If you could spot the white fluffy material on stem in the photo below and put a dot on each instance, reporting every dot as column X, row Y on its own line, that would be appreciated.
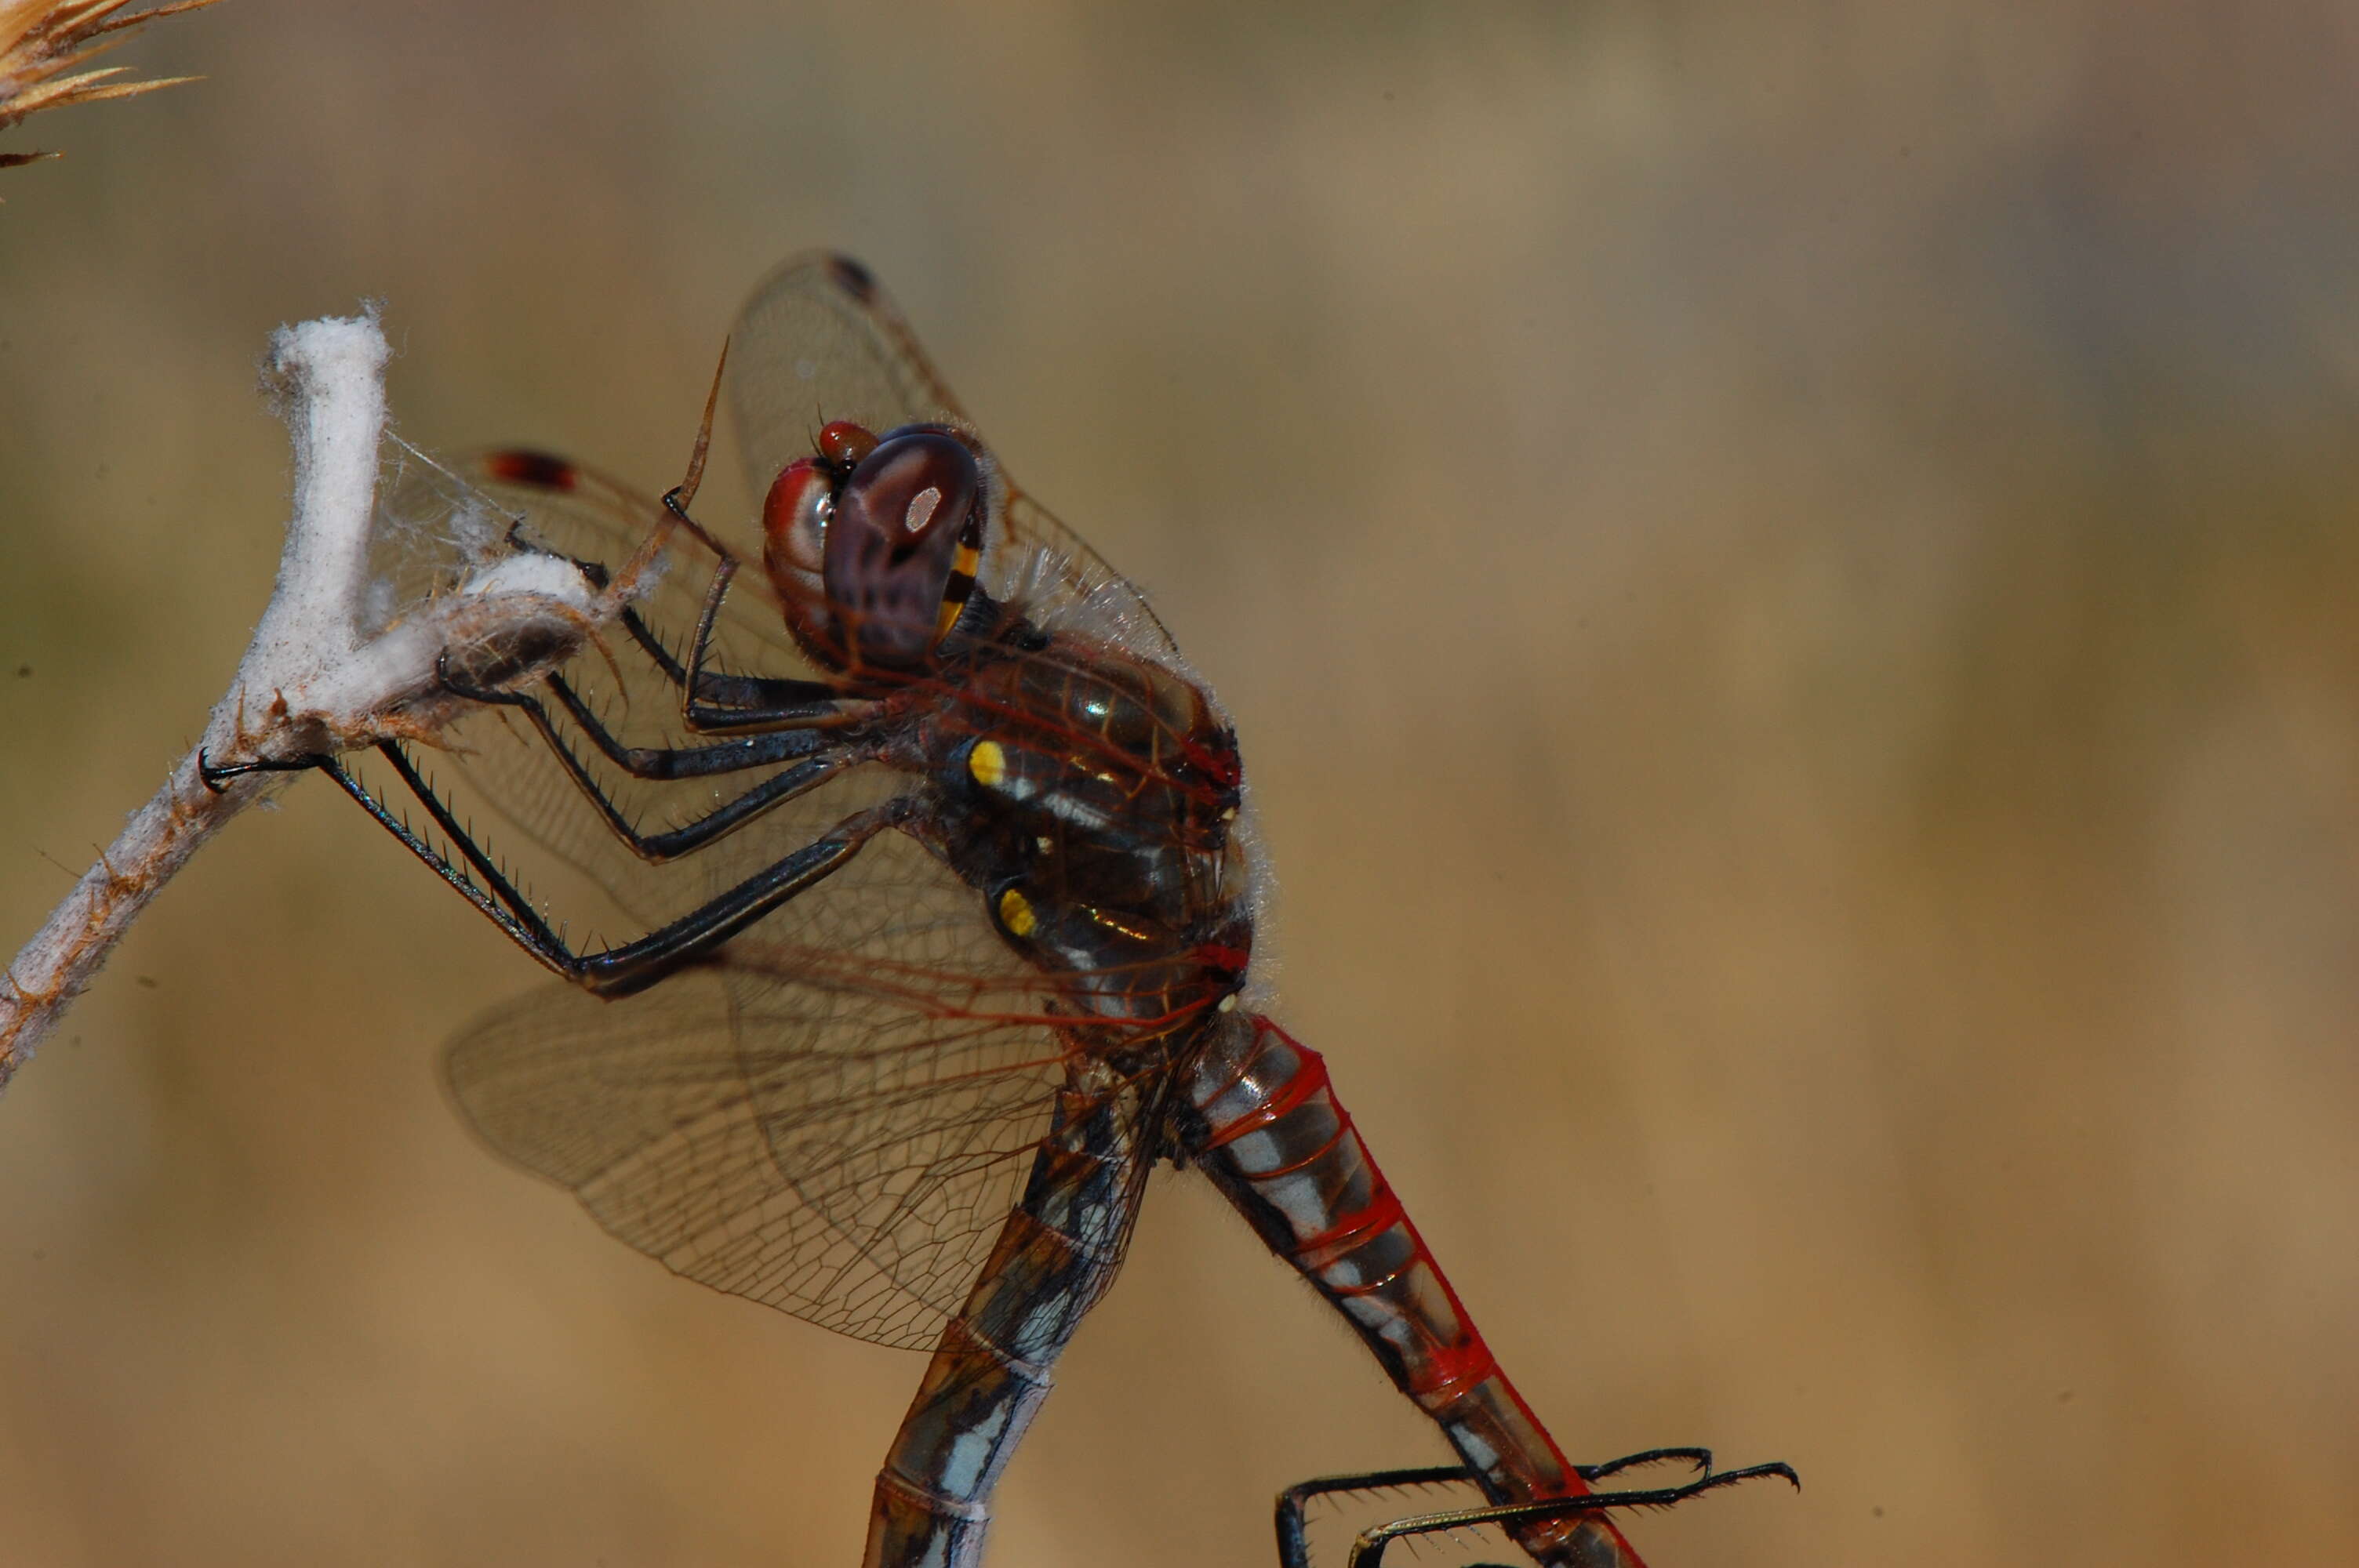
column 310, row 682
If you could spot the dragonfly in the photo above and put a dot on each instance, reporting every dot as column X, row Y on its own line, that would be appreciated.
column 937, row 868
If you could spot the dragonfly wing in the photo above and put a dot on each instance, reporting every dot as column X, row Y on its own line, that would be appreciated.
column 1064, row 586
column 812, row 1145
column 820, row 341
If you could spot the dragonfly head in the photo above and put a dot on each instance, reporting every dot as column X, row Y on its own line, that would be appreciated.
column 873, row 543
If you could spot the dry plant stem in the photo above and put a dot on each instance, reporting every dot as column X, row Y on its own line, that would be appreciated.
column 43, row 43
column 310, row 682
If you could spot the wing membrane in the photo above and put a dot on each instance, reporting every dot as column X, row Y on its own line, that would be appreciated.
column 775, row 1133
column 820, row 341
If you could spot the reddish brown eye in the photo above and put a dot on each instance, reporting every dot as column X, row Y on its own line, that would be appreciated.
column 893, row 543
column 794, row 544
column 844, row 443
column 793, row 519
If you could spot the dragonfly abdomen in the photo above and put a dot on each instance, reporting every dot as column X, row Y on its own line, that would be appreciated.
column 991, row 1370
column 1279, row 1145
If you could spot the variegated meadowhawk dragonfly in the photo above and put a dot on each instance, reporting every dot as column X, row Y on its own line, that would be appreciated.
column 945, row 896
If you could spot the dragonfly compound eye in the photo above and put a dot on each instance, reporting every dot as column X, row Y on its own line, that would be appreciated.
column 899, row 553
column 794, row 523
column 794, row 540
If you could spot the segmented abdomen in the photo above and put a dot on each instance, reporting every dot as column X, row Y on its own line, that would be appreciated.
column 1280, row 1147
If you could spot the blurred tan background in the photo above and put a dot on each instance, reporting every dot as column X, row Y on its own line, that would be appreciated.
column 1788, row 575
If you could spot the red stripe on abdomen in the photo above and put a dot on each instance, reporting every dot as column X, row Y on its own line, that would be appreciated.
column 1282, row 1148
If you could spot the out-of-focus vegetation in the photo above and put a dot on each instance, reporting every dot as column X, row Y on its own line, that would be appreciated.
column 1786, row 573
column 46, row 50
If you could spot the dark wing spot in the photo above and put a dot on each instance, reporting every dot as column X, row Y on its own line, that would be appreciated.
column 852, row 277
column 537, row 469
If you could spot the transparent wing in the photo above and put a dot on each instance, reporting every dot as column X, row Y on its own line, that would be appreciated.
column 626, row 688
column 839, row 1143
column 820, row 341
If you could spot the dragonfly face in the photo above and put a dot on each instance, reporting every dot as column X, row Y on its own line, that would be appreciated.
column 872, row 543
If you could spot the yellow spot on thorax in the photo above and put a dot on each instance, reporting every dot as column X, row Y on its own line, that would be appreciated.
column 1015, row 913
column 988, row 763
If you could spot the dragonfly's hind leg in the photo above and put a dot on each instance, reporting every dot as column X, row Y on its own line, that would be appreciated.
column 1367, row 1551
column 612, row 971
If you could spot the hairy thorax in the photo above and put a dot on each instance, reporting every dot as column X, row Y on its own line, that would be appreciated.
column 1090, row 796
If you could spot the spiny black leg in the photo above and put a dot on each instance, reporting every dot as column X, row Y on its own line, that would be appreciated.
column 511, row 912
column 816, row 757
column 1291, row 1512
column 711, row 702
column 1699, row 1458
column 1369, row 1550
column 718, row 704
column 616, row 971
column 214, row 777
column 637, row 760
column 1293, row 1543
column 692, row 761
column 634, row 966
column 786, row 785
column 663, row 763
column 1293, row 1549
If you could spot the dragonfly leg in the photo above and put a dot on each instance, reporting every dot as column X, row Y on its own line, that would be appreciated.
column 1293, row 1549
column 722, row 703
column 814, row 755
column 1293, row 1540
column 711, row 702
column 1368, row 1550
column 214, row 777
column 719, row 704
column 635, row 964
column 639, row 762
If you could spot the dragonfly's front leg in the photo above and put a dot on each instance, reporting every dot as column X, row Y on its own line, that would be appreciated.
column 991, row 1370
column 710, row 701
column 1276, row 1142
column 717, row 704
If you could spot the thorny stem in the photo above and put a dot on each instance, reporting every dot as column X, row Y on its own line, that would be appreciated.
column 310, row 682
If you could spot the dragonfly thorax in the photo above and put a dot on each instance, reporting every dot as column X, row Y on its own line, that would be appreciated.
column 1094, row 795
